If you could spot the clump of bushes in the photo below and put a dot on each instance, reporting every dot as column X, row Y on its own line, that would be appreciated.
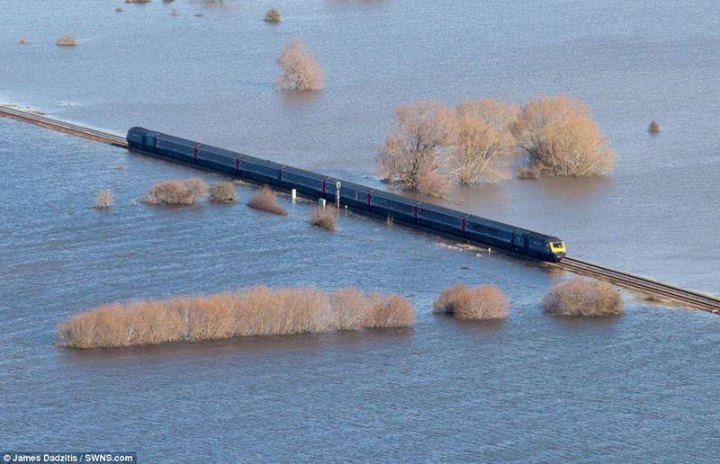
column 24, row 41
column 562, row 139
column 324, row 217
column 272, row 15
column 266, row 200
column 103, row 199
column 176, row 192
column 477, row 141
column 223, row 192
column 654, row 127
column 253, row 311
column 301, row 71
column 583, row 297
column 481, row 303
column 66, row 41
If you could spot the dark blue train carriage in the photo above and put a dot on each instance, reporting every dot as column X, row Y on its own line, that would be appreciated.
column 359, row 197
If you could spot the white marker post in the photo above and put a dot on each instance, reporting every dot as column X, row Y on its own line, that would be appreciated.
column 337, row 194
column 322, row 202
column 293, row 195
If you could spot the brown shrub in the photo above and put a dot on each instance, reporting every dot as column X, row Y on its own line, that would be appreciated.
column 325, row 218
column 138, row 1
column 350, row 309
column 223, row 192
column 481, row 145
column 24, row 41
column 654, row 127
column 103, row 199
column 301, row 71
column 253, row 311
column 66, row 41
column 390, row 311
column 410, row 155
column 484, row 302
column 582, row 297
column 530, row 173
column 272, row 15
column 176, row 192
column 561, row 138
column 266, row 200
column 119, row 9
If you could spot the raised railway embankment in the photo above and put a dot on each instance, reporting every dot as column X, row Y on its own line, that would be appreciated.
column 61, row 126
column 656, row 289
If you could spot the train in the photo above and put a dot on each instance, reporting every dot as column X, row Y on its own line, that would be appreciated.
column 357, row 197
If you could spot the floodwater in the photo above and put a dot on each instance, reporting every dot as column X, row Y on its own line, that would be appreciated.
column 533, row 389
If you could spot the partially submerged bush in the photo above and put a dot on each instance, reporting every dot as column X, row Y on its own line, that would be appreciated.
column 324, row 217
column 410, row 156
column 24, row 41
column 390, row 311
column 66, row 41
column 138, row 1
column 654, row 127
column 481, row 144
column 103, row 199
column 272, row 15
column 266, row 200
column 583, row 297
column 253, row 311
column 561, row 138
column 301, row 71
column 223, row 192
column 176, row 192
column 119, row 9
column 485, row 302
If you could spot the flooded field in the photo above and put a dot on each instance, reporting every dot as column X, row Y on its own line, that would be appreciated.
column 532, row 389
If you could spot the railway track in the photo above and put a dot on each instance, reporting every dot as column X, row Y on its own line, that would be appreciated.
column 622, row 279
column 65, row 127
column 645, row 285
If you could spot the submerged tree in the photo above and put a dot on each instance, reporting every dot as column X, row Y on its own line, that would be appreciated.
column 654, row 127
column 301, row 71
column 562, row 139
column 481, row 144
column 410, row 155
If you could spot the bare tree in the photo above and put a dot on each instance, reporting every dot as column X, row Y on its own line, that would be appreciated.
column 301, row 71
column 562, row 139
column 481, row 144
column 410, row 155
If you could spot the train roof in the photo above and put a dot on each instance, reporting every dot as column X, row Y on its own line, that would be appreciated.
column 356, row 187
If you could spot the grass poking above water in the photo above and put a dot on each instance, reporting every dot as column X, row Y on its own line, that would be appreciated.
column 177, row 192
column 266, row 200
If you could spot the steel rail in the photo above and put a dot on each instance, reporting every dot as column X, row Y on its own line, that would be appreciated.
column 65, row 127
column 643, row 284
column 622, row 279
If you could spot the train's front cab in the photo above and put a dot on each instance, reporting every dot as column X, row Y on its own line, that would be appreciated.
column 557, row 248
